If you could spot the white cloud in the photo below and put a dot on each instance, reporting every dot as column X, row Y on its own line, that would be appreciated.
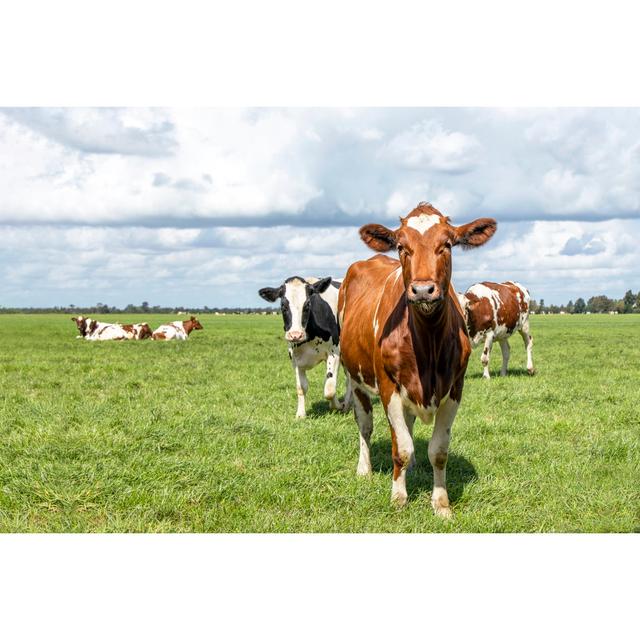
column 176, row 205
column 427, row 145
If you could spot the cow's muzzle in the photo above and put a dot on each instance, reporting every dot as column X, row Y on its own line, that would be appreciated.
column 425, row 294
column 295, row 336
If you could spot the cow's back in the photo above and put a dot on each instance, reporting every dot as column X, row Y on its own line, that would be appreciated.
column 502, row 308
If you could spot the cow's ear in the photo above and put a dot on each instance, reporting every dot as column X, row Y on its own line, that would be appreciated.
column 73, row 319
column 321, row 285
column 475, row 233
column 270, row 294
column 378, row 237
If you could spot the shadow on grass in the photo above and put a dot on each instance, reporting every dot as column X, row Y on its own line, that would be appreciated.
column 511, row 373
column 420, row 479
column 321, row 408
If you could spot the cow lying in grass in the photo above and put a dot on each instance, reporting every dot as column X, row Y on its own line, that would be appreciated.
column 93, row 330
column 178, row 330
column 495, row 312
column 309, row 309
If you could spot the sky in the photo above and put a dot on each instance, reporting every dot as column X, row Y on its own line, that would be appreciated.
column 195, row 207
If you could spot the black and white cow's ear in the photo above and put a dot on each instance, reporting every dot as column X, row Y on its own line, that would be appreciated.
column 475, row 233
column 321, row 285
column 270, row 294
column 73, row 319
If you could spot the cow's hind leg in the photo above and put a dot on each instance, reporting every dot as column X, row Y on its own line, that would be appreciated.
column 438, row 454
column 347, row 400
column 486, row 354
column 331, row 379
column 401, row 448
column 504, row 347
column 364, row 417
column 302, row 384
column 528, row 345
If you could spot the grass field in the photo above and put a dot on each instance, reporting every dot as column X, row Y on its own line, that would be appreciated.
column 201, row 436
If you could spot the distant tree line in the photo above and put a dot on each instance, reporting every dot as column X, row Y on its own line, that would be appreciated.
column 145, row 307
column 629, row 303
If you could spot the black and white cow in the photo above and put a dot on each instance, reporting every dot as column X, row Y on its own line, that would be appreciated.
column 309, row 312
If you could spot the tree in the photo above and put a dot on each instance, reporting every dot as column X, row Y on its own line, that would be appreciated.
column 580, row 306
column 570, row 307
column 600, row 304
column 145, row 306
column 533, row 306
column 628, row 302
column 541, row 308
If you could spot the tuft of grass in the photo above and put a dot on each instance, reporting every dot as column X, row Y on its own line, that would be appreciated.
column 201, row 436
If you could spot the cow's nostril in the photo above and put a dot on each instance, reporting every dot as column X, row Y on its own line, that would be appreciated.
column 414, row 289
column 431, row 288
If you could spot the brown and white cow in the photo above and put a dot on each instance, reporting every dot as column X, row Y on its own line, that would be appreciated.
column 179, row 330
column 139, row 331
column 494, row 312
column 403, row 337
column 94, row 330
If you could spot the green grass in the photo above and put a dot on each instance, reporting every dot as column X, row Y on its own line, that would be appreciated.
column 201, row 436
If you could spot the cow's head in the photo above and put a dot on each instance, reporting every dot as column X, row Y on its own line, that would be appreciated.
column 85, row 325
column 424, row 241
column 145, row 331
column 195, row 323
column 295, row 302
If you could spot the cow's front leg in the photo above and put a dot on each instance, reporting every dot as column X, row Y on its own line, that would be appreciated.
column 486, row 354
column 331, row 379
column 302, row 384
column 438, row 454
column 401, row 448
column 410, row 419
column 364, row 417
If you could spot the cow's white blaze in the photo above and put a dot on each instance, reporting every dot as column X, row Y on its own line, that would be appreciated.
column 423, row 222
column 296, row 294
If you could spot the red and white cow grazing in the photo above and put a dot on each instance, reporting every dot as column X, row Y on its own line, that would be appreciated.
column 139, row 331
column 309, row 313
column 94, row 330
column 494, row 312
column 179, row 330
column 403, row 337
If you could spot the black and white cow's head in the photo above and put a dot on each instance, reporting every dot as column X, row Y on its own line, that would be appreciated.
column 304, row 313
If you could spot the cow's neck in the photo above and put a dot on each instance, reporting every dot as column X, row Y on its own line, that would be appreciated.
column 432, row 324
column 187, row 325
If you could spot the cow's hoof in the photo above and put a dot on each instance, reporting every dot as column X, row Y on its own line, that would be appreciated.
column 443, row 512
column 531, row 371
column 363, row 471
column 399, row 500
column 301, row 416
